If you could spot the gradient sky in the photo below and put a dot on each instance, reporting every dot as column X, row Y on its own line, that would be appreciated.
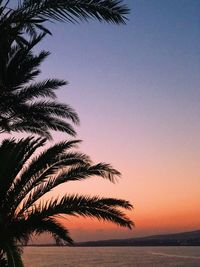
column 137, row 91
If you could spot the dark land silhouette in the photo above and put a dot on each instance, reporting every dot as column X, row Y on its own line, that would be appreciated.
column 177, row 239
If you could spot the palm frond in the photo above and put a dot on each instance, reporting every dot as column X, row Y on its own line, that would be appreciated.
column 33, row 127
column 77, row 173
column 20, row 111
column 75, row 205
column 23, row 230
column 23, row 68
column 112, row 11
column 45, row 159
column 29, row 17
column 13, row 155
column 53, row 109
column 25, row 149
column 53, row 227
column 31, row 174
column 40, row 89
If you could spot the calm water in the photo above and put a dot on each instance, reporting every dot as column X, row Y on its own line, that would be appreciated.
column 112, row 257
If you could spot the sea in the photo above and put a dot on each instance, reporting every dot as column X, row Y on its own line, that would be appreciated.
column 112, row 256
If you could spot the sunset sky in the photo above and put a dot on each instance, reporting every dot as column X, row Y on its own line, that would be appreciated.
column 136, row 89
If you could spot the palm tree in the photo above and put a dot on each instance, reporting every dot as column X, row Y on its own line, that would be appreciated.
column 20, row 109
column 26, row 177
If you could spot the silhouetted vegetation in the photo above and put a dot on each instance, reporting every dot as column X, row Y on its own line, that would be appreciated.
column 30, row 106
column 25, row 179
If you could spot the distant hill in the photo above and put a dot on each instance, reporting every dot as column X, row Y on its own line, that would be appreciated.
column 178, row 239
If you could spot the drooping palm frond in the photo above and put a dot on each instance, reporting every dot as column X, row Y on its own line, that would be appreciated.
column 75, row 205
column 112, row 11
column 31, row 15
column 40, row 89
column 43, row 216
column 56, row 229
column 103, row 209
column 79, row 173
column 28, row 19
column 20, row 111
column 25, row 229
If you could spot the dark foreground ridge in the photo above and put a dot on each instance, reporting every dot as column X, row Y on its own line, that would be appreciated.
column 178, row 239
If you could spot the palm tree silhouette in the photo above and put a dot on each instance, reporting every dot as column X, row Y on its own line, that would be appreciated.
column 26, row 177
column 27, row 106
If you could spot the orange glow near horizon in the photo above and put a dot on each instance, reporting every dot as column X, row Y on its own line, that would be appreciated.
column 161, row 182
column 164, row 199
column 82, row 229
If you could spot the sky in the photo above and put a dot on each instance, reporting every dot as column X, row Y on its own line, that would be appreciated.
column 136, row 89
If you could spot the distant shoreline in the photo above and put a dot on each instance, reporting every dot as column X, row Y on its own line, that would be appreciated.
column 178, row 239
